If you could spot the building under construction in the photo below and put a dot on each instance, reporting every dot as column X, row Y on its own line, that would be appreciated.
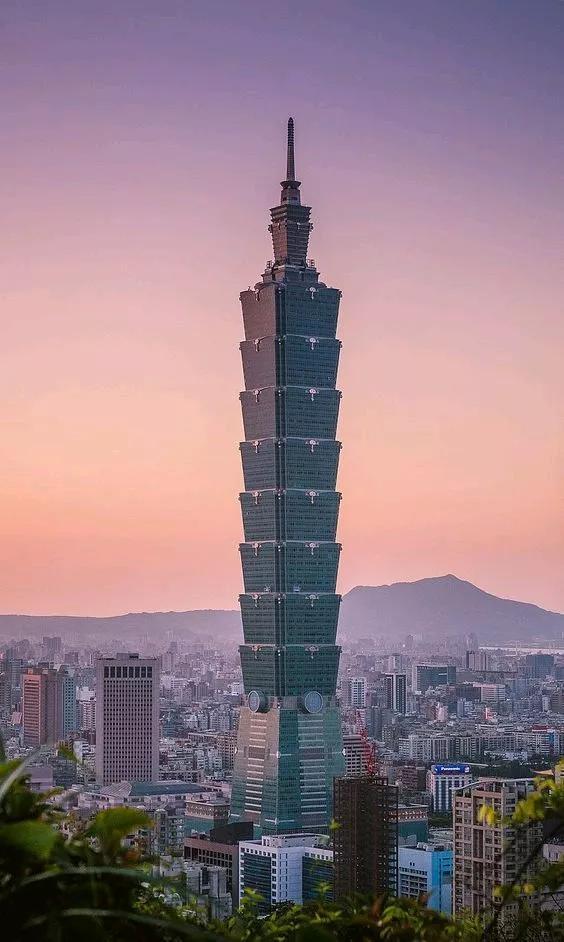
column 365, row 839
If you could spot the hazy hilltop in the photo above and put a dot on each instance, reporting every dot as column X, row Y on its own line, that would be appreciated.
column 209, row 624
column 440, row 607
column 435, row 608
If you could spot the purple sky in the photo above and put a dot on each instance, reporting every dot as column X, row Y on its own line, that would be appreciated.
column 141, row 147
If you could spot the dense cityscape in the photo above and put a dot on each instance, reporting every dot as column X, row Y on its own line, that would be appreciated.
column 388, row 743
column 434, row 725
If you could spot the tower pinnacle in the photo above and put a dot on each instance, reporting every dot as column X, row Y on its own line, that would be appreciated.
column 290, row 186
column 290, row 167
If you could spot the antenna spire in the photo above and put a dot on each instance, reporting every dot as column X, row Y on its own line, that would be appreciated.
column 290, row 225
column 290, row 186
column 290, row 166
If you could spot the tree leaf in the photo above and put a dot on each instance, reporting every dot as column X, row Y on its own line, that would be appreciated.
column 32, row 838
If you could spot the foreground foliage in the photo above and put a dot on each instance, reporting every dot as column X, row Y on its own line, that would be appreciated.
column 87, row 886
column 60, row 884
column 392, row 920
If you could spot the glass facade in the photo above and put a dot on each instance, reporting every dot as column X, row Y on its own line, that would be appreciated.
column 289, row 743
column 257, row 872
column 317, row 878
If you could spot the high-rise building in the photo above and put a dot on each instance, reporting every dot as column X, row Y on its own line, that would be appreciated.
column 127, row 718
column 492, row 692
column 411, row 777
column 42, row 706
column 51, row 647
column 355, row 692
column 478, row 660
column 432, row 675
column 355, row 753
column 443, row 781
column 375, row 718
column 204, row 812
column 365, row 840
column 87, row 711
column 5, row 695
column 12, row 668
column 488, row 855
column 70, row 703
column 539, row 665
column 396, row 692
column 395, row 663
column 289, row 739
column 207, row 890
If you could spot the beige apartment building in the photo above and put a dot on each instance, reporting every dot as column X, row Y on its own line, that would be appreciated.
column 42, row 706
column 487, row 855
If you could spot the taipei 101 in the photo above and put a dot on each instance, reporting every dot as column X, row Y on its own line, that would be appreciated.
column 282, row 626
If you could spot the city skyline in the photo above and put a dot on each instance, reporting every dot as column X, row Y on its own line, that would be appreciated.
column 135, row 177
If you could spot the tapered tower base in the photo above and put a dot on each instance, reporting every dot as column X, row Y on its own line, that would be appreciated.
column 284, row 768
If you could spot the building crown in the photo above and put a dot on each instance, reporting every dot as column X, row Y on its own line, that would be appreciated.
column 290, row 226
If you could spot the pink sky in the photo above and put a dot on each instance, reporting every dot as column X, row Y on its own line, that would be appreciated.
column 140, row 155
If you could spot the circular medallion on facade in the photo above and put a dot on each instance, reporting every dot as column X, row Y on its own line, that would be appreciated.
column 313, row 701
column 255, row 701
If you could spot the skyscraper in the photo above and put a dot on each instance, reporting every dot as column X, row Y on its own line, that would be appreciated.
column 289, row 743
column 355, row 692
column 396, row 692
column 365, row 840
column 355, row 753
column 127, row 719
column 425, row 676
column 12, row 668
column 477, row 660
column 42, row 706
column 70, row 703
column 539, row 665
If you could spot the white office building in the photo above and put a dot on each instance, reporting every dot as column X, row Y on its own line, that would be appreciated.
column 442, row 782
column 284, row 867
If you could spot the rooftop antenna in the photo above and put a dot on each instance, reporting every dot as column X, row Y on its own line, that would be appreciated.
column 290, row 167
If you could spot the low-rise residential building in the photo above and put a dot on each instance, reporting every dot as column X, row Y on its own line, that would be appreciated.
column 220, row 848
column 426, row 869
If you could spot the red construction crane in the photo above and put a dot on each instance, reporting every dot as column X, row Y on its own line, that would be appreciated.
column 368, row 747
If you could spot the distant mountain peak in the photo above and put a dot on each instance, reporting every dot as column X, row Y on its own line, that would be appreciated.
column 444, row 606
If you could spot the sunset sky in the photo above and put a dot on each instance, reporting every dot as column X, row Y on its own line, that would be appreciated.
column 142, row 144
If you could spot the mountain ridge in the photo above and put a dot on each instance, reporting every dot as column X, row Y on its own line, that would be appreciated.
column 435, row 607
column 443, row 606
